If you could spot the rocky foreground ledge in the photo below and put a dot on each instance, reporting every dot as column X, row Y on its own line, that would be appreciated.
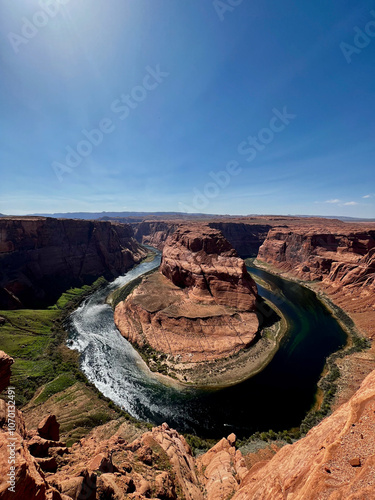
column 199, row 307
column 335, row 460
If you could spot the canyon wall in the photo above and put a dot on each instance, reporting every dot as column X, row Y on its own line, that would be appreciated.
column 335, row 460
column 42, row 257
column 154, row 233
column 339, row 256
column 317, row 254
column 246, row 238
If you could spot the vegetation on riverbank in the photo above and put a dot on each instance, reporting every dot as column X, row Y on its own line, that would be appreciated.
column 36, row 340
column 120, row 294
column 46, row 372
column 45, row 366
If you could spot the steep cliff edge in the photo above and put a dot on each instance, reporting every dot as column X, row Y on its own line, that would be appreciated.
column 41, row 257
column 341, row 258
column 113, row 462
column 245, row 237
column 203, row 261
column 199, row 307
column 335, row 460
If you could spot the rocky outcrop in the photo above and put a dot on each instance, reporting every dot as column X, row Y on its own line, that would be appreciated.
column 21, row 474
column 199, row 307
column 202, row 261
column 335, row 460
column 42, row 257
column 48, row 428
column 222, row 469
column 157, row 465
column 5, row 364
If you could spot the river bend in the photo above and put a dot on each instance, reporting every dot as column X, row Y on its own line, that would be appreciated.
column 277, row 398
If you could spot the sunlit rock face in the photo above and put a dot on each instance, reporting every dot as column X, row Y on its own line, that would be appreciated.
column 203, row 261
column 335, row 460
column 339, row 257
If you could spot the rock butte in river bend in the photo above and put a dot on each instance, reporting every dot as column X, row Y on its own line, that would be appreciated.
column 339, row 255
column 200, row 306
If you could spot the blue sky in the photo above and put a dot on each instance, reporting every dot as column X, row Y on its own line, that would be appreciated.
column 187, row 96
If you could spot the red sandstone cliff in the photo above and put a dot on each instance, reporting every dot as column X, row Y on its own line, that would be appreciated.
column 154, row 233
column 202, row 260
column 245, row 237
column 335, row 460
column 341, row 257
column 201, row 304
column 42, row 257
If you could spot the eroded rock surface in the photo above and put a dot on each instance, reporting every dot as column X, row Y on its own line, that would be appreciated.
column 5, row 372
column 335, row 460
column 340, row 257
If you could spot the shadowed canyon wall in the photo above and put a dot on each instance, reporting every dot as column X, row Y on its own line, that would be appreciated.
column 42, row 257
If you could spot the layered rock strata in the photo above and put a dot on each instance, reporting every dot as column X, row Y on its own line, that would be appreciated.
column 245, row 237
column 42, row 257
column 154, row 233
column 200, row 306
column 341, row 258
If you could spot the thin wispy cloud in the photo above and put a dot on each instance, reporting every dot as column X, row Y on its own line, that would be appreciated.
column 340, row 203
column 367, row 196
